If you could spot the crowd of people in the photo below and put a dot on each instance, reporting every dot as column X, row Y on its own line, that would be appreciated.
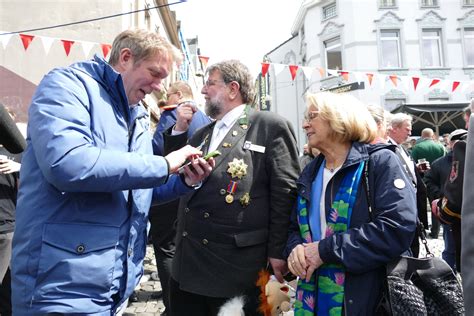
column 96, row 186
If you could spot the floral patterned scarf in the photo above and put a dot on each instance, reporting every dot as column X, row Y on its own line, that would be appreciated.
column 329, row 287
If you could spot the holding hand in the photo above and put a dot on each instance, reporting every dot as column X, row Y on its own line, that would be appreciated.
column 297, row 262
column 198, row 170
column 177, row 158
column 8, row 166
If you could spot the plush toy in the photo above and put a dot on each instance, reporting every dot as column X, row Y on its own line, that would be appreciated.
column 269, row 297
column 274, row 296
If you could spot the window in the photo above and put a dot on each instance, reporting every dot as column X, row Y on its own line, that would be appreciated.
column 468, row 2
column 429, row 3
column 387, row 3
column 390, row 49
column 333, row 53
column 469, row 46
column 432, row 52
column 329, row 11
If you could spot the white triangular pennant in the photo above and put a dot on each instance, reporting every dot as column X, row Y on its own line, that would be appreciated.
column 308, row 72
column 5, row 39
column 87, row 47
column 333, row 72
column 359, row 76
column 47, row 43
column 278, row 68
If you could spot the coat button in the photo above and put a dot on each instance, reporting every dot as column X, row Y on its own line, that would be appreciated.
column 186, row 209
column 351, row 301
column 130, row 252
column 205, row 241
column 80, row 249
column 184, row 234
column 206, row 215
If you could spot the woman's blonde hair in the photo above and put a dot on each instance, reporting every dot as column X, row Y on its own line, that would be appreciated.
column 348, row 118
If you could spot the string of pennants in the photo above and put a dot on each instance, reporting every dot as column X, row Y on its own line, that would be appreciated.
column 397, row 81
column 27, row 39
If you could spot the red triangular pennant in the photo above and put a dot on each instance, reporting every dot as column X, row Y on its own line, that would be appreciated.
column 344, row 75
column 26, row 39
column 265, row 67
column 204, row 60
column 415, row 82
column 455, row 85
column 106, row 49
column 434, row 81
column 370, row 77
column 67, row 46
column 321, row 71
column 293, row 70
column 394, row 79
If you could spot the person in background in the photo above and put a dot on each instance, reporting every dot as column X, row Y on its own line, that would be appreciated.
column 87, row 180
column 163, row 217
column 9, row 178
column 424, row 153
column 237, row 222
column 435, row 178
column 381, row 118
column 467, row 224
column 399, row 130
column 336, row 247
column 308, row 155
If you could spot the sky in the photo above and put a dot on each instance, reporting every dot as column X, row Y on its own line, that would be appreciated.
column 244, row 29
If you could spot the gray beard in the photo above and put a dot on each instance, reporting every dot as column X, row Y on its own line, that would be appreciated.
column 212, row 109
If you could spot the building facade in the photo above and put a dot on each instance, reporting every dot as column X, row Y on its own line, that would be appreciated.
column 386, row 44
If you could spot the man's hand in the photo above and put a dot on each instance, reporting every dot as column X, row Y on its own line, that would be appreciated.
column 313, row 259
column 198, row 170
column 8, row 166
column 279, row 268
column 184, row 115
column 177, row 158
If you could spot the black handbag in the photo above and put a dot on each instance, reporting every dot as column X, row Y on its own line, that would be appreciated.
column 425, row 286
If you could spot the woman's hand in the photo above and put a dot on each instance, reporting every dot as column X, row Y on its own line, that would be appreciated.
column 312, row 258
column 297, row 261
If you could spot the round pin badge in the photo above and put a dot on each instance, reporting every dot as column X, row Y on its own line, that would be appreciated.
column 399, row 183
column 229, row 198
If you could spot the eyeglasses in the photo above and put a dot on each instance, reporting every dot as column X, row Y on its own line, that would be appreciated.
column 171, row 93
column 309, row 116
column 209, row 82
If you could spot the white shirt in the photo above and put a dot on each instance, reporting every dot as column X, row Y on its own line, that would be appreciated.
column 223, row 126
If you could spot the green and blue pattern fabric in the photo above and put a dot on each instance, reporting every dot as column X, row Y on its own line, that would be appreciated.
column 328, row 290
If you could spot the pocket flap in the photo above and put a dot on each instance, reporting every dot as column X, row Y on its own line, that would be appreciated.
column 251, row 238
column 80, row 238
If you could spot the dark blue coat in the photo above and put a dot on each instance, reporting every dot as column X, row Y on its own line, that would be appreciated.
column 368, row 244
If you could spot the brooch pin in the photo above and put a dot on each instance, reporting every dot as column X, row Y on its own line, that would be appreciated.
column 226, row 145
column 234, row 133
column 245, row 200
column 237, row 168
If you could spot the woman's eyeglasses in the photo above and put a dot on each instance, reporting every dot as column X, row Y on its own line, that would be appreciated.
column 309, row 116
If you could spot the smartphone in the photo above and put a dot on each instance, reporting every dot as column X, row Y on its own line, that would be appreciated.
column 214, row 153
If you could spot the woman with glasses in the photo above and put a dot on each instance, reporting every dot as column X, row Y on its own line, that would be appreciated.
column 336, row 247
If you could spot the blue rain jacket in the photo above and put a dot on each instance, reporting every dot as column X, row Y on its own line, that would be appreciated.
column 85, row 192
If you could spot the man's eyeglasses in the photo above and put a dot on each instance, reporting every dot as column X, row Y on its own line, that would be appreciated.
column 309, row 116
column 209, row 82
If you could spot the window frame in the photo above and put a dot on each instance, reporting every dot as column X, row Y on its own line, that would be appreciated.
column 383, row 5
column 465, row 46
column 325, row 8
column 439, row 39
column 434, row 5
column 339, row 45
column 382, row 39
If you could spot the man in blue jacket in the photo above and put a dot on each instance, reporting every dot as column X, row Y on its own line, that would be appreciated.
column 87, row 181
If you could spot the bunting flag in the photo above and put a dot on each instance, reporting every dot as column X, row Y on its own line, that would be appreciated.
column 370, row 77
column 455, row 85
column 434, row 81
column 204, row 60
column 308, row 71
column 87, row 47
column 415, row 82
column 394, row 79
column 265, row 67
column 293, row 71
column 105, row 49
column 67, row 46
column 5, row 39
column 47, row 43
column 26, row 40
column 344, row 75
column 321, row 71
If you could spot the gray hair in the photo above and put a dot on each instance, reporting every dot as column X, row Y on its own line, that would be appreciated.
column 234, row 70
column 398, row 119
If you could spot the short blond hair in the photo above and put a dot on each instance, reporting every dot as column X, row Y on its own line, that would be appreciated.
column 348, row 118
column 143, row 44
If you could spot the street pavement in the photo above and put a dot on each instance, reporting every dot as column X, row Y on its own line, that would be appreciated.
column 148, row 305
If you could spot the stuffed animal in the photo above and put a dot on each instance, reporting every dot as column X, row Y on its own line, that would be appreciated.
column 269, row 297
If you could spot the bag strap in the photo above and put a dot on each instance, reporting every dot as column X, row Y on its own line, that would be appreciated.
column 419, row 225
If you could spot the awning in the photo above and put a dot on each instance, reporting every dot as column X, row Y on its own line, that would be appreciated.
column 442, row 117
